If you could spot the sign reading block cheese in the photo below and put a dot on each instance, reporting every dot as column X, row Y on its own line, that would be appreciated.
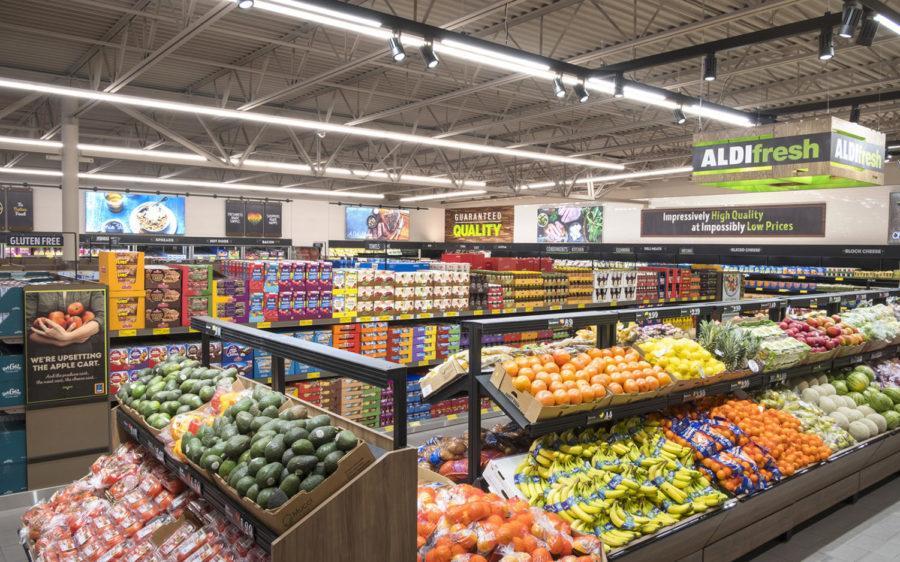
column 815, row 154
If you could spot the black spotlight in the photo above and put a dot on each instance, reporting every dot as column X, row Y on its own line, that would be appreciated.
column 580, row 92
column 826, row 43
column 710, row 65
column 619, row 86
column 678, row 115
column 559, row 89
column 429, row 56
column 854, row 114
column 850, row 17
column 396, row 47
column 867, row 29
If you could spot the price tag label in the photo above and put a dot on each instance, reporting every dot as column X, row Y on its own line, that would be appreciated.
column 425, row 315
column 694, row 395
column 648, row 315
column 131, row 429
column 777, row 378
column 263, row 325
column 451, row 313
column 598, row 417
column 127, row 333
column 733, row 308
column 876, row 355
column 311, row 376
column 235, row 517
column 190, row 480
column 451, row 417
column 882, row 295
column 216, row 331
column 509, row 310
column 740, row 385
column 856, row 359
column 690, row 311
column 834, row 300
column 305, row 323
column 157, row 451
column 477, row 313
column 529, row 309
column 754, row 366
column 559, row 323
column 555, row 307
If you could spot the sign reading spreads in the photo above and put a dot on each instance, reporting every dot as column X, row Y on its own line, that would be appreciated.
column 749, row 221
column 814, row 154
column 479, row 224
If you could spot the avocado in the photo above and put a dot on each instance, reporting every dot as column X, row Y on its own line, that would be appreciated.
column 242, row 485
column 188, row 399
column 303, row 447
column 252, row 492
column 261, row 435
column 258, row 422
column 295, row 434
column 284, row 474
column 270, row 411
column 226, row 467
column 254, row 465
column 210, row 461
column 321, row 435
column 310, row 482
column 138, row 390
column 262, row 499
column 245, row 456
column 277, row 499
column 242, row 420
column 207, row 435
column 290, row 485
column 275, row 448
column 271, row 399
column 206, row 393
column 269, row 474
column 170, row 407
column 228, row 431
column 240, row 471
column 186, row 386
column 218, row 449
column 320, row 469
column 346, row 440
column 331, row 461
column 302, row 464
column 236, row 445
column 190, row 446
column 184, row 408
column 318, row 421
column 258, row 449
column 293, row 413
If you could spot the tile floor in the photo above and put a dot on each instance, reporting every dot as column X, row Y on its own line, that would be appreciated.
column 867, row 531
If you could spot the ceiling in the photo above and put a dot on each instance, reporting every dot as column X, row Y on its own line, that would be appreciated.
column 212, row 53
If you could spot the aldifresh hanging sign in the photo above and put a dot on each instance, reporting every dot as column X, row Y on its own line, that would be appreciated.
column 813, row 154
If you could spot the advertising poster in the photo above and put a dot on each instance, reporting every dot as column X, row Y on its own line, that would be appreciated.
column 372, row 223
column 479, row 224
column 570, row 223
column 117, row 212
column 272, row 227
column 66, row 344
column 748, row 221
column 255, row 218
column 234, row 217
column 19, row 210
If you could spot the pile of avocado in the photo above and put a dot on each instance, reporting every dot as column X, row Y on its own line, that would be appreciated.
column 269, row 456
column 173, row 387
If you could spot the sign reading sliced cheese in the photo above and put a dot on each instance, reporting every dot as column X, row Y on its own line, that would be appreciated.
column 814, row 154
column 479, row 224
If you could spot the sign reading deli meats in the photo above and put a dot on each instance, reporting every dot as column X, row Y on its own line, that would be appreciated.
column 814, row 154
column 750, row 221
column 479, row 224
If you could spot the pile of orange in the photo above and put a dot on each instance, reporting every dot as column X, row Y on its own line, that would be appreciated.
column 561, row 378
column 776, row 431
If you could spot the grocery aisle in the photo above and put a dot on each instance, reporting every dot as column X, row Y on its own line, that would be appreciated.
column 867, row 531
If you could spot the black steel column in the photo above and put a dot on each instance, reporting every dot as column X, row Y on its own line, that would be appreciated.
column 400, row 417
column 204, row 349
column 474, row 403
column 278, row 374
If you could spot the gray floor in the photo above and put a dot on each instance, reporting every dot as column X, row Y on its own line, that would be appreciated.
column 867, row 531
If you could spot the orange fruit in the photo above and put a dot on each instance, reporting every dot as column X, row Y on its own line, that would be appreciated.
column 521, row 360
column 642, row 383
column 581, row 376
column 511, row 368
column 527, row 372
column 543, row 377
column 545, row 397
column 551, row 367
column 534, row 360
column 537, row 386
column 598, row 379
column 589, row 371
column 606, row 353
column 574, row 396
column 617, row 350
column 521, row 383
column 555, row 377
column 561, row 358
column 556, row 385
column 630, row 387
column 599, row 391
column 545, row 358
column 594, row 352
column 618, row 359
column 615, row 388
column 663, row 378
column 610, row 369
column 568, row 385
column 632, row 356
column 619, row 378
column 561, row 396
column 569, row 376
column 587, row 393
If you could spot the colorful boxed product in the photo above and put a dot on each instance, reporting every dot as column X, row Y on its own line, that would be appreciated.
column 122, row 271
column 198, row 305
column 126, row 310
column 196, row 279
column 12, row 380
column 157, row 354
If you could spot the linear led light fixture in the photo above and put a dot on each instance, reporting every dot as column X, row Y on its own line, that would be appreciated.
column 718, row 115
column 250, row 164
column 438, row 196
column 888, row 23
column 82, row 177
column 297, row 123
column 614, row 177
column 455, row 48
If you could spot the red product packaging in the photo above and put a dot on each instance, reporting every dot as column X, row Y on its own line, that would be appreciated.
column 270, row 307
column 285, row 306
column 150, row 486
column 118, row 359
column 151, row 526
column 139, row 552
column 205, row 552
column 190, row 544
column 168, row 547
column 298, row 305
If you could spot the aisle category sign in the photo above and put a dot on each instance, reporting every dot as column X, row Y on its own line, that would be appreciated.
column 479, row 224
column 745, row 221
column 817, row 153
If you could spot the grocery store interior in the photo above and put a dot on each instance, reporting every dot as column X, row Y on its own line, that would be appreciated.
column 449, row 281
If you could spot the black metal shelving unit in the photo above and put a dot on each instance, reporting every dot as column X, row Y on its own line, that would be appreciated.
column 329, row 360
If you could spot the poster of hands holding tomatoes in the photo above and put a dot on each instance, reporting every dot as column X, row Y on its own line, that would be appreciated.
column 65, row 346
column 570, row 223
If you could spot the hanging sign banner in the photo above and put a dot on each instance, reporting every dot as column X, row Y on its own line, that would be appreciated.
column 19, row 209
column 234, row 217
column 747, row 221
column 479, row 224
column 818, row 153
column 272, row 226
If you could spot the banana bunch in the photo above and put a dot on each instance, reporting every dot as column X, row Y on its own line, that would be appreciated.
column 619, row 484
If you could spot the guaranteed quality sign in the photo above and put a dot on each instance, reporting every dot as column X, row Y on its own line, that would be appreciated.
column 750, row 221
column 479, row 224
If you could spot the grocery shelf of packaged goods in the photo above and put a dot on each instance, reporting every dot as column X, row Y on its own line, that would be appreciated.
column 450, row 315
column 450, row 420
column 198, row 483
column 863, row 281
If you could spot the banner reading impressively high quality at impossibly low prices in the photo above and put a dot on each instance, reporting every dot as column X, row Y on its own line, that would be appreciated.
column 749, row 221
